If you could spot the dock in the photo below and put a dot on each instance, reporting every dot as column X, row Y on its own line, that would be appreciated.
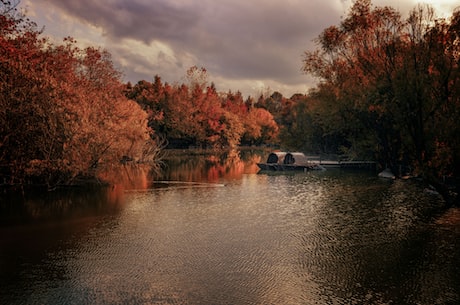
column 372, row 165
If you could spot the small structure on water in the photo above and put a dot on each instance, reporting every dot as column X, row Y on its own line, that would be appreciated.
column 284, row 161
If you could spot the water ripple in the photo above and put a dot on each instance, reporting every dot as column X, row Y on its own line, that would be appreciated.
column 322, row 238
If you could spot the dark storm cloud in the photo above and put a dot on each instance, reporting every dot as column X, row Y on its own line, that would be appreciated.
column 134, row 19
column 245, row 44
column 234, row 39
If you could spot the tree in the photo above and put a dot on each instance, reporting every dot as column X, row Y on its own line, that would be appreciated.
column 396, row 81
column 64, row 113
column 196, row 114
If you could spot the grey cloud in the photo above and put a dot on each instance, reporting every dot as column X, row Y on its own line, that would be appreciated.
column 233, row 39
column 133, row 19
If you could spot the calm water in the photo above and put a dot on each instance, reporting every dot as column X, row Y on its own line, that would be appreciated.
column 212, row 231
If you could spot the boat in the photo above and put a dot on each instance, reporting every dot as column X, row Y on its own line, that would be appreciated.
column 287, row 161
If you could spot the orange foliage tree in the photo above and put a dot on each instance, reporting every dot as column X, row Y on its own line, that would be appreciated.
column 63, row 109
column 195, row 114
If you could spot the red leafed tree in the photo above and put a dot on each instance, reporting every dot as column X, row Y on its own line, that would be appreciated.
column 63, row 109
column 195, row 114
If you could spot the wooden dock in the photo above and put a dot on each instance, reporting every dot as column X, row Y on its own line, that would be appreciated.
column 372, row 165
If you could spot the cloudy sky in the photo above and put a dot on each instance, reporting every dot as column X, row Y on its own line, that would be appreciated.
column 254, row 46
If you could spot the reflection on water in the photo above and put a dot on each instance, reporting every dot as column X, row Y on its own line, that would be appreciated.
column 206, row 168
column 211, row 168
column 217, row 233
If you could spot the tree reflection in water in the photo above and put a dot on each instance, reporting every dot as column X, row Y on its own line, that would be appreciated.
column 211, row 167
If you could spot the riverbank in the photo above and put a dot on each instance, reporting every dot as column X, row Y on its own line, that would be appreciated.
column 136, row 175
column 191, row 152
column 449, row 188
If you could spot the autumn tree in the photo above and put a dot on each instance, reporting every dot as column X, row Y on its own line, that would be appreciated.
column 265, row 129
column 196, row 114
column 63, row 110
column 394, row 81
column 385, row 71
column 153, row 98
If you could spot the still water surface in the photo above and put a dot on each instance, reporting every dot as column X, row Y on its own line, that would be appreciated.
column 220, row 233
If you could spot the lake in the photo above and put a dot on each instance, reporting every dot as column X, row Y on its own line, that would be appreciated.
column 212, row 230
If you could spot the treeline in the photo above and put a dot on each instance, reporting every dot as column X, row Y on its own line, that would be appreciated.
column 194, row 114
column 63, row 109
column 389, row 89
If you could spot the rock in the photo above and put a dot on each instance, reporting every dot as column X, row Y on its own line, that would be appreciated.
column 387, row 174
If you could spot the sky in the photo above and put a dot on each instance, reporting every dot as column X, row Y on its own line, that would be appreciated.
column 251, row 46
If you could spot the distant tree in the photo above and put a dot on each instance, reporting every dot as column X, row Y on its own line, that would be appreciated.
column 153, row 98
column 197, row 77
column 261, row 127
column 196, row 114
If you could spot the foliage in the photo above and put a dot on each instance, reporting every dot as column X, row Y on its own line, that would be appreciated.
column 63, row 109
column 197, row 115
column 395, row 85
